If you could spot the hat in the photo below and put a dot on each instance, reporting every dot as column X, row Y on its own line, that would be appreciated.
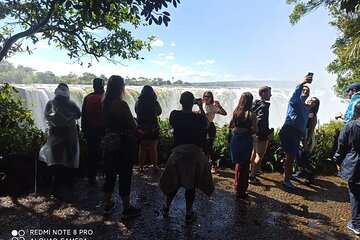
column 62, row 90
column 187, row 98
column 352, row 86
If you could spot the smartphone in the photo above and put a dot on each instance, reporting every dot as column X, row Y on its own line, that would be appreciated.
column 310, row 74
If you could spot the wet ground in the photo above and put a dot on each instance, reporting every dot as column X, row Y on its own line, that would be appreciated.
column 319, row 211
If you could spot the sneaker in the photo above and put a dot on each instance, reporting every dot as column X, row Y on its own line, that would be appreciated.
column 309, row 179
column 301, row 174
column 253, row 180
column 165, row 211
column 295, row 178
column 131, row 212
column 109, row 208
column 289, row 185
column 352, row 228
column 213, row 170
column 190, row 217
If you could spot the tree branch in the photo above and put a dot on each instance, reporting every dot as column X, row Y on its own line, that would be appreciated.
column 32, row 30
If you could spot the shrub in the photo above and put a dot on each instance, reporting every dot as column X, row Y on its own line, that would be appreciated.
column 166, row 140
column 18, row 136
column 17, row 131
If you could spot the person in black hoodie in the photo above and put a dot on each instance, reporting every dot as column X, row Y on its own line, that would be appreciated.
column 261, row 108
column 347, row 158
column 147, row 109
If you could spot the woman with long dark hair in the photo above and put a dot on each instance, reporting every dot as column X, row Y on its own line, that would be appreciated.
column 147, row 109
column 308, row 143
column 118, row 160
column 244, row 122
column 211, row 107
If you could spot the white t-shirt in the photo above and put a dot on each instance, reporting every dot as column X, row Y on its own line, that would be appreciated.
column 210, row 111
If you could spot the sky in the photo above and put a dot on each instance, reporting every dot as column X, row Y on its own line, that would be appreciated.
column 212, row 40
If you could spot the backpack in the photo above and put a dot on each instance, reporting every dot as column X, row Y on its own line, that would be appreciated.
column 93, row 110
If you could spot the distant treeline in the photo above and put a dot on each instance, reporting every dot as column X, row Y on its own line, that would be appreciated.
column 26, row 75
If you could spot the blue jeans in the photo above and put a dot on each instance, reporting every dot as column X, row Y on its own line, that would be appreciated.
column 354, row 193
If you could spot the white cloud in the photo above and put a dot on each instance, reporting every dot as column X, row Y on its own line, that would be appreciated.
column 205, row 62
column 159, row 62
column 161, row 54
column 172, row 43
column 158, row 43
column 170, row 56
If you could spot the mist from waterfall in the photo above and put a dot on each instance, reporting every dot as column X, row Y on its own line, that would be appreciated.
column 36, row 96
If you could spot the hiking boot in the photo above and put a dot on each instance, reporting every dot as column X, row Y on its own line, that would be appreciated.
column 131, row 212
column 109, row 208
column 190, row 217
column 289, row 185
column 253, row 180
column 213, row 169
column 352, row 228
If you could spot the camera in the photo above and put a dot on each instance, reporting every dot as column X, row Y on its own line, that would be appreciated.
column 197, row 101
column 310, row 74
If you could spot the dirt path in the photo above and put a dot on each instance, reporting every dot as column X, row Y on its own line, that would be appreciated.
column 319, row 211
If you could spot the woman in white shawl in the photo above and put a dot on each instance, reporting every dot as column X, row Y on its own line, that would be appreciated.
column 61, row 151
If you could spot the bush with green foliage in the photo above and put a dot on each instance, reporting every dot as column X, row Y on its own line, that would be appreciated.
column 17, row 131
column 166, row 140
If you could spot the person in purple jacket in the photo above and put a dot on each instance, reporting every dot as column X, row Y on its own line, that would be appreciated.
column 347, row 158
column 294, row 127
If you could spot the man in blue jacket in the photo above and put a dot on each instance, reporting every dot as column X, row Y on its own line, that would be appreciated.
column 294, row 127
column 347, row 158
column 353, row 91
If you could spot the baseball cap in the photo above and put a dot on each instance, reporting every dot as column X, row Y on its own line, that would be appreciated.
column 355, row 86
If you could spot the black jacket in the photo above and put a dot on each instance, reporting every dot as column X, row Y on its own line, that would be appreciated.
column 261, row 108
column 348, row 152
column 147, row 111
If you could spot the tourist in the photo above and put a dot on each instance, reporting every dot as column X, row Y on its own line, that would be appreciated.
column 294, row 127
column 187, row 165
column 353, row 90
column 92, row 125
column 244, row 122
column 61, row 151
column 211, row 107
column 261, row 138
column 307, row 143
column 147, row 109
column 119, row 147
column 347, row 158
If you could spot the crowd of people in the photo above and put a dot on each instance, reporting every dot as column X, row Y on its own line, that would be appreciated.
column 115, row 139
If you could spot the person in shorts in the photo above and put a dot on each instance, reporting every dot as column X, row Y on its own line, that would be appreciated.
column 261, row 139
column 294, row 127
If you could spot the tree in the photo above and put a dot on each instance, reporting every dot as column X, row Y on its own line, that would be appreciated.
column 347, row 46
column 73, row 25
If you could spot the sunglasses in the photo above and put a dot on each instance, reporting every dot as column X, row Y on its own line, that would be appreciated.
column 206, row 96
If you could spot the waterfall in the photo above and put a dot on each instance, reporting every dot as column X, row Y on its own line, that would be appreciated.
column 36, row 96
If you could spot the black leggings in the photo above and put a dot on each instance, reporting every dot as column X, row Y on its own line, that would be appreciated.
column 119, row 163
column 210, row 138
